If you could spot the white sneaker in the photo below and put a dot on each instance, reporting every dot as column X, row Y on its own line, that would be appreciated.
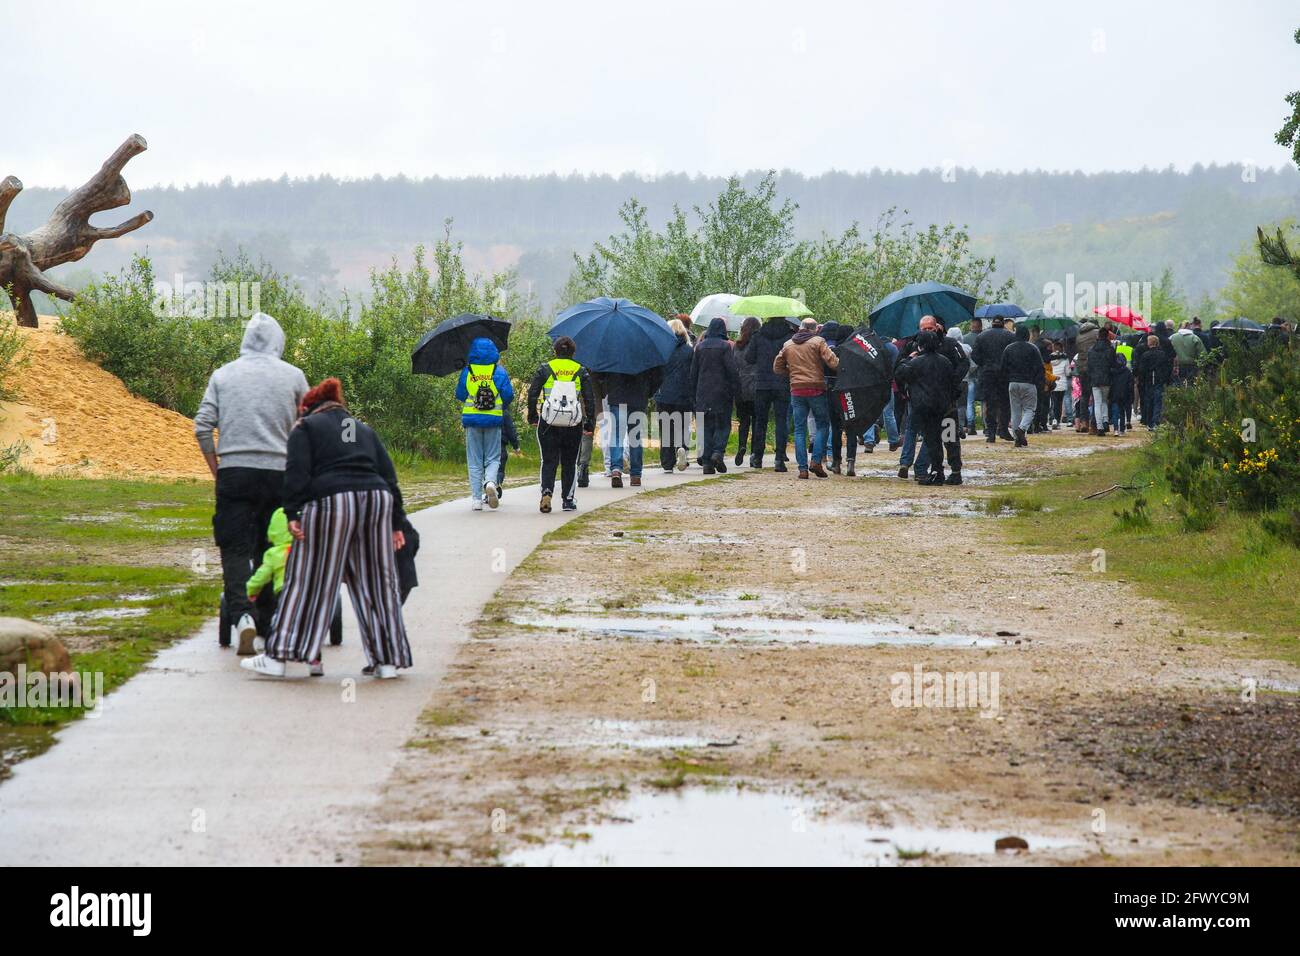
column 247, row 633
column 385, row 671
column 478, row 504
column 259, row 645
column 266, row 666
column 681, row 459
column 490, row 493
column 317, row 668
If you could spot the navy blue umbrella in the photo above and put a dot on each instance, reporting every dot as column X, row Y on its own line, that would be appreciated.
column 1000, row 310
column 615, row 335
column 899, row 314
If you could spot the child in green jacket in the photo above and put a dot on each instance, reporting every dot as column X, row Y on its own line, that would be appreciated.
column 274, row 558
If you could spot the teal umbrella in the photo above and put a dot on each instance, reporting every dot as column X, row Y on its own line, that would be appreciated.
column 899, row 314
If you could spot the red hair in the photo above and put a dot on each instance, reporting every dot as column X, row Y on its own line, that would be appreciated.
column 330, row 390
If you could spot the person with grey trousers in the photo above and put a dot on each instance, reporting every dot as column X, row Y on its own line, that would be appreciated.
column 252, row 404
column 1022, row 367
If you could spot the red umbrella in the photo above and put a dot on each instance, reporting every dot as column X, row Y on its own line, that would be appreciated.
column 1124, row 316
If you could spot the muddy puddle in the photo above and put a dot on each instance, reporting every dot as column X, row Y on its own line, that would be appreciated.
column 18, row 742
column 708, row 624
column 65, row 618
column 616, row 734
column 732, row 827
column 937, row 506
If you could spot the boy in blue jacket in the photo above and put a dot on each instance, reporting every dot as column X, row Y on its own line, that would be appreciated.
column 484, row 390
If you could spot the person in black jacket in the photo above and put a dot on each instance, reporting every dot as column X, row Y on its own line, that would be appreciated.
column 931, row 382
column 987, row 354
column 560, row 444
column 1121, row 393
column 771, row 391
column 1022, row 367
column 715, row 383
column 1101, row 363
column 1153, row 372
column 674, row 406
column 345, row 509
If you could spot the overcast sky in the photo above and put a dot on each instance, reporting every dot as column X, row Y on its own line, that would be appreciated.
column 253, row 90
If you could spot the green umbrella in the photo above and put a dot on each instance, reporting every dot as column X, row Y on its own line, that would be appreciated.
column 770, row 306
column 1047, row 321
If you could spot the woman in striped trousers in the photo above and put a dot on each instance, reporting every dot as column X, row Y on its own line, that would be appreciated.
column 345, row 512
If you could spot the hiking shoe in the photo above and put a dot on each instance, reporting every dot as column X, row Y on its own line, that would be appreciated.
column 570, row 505
column 817, row 469
column 316, row 668
column 954, row 478
column 490, row 494
column 719, row 464
column 478, row 504
column 681, row 459
column 803, row 472
column 902, row 471
column 266, row 666
column 546, row 504
column 779, row 466
column 635, row 481
column 247, row 631
column 616, row 480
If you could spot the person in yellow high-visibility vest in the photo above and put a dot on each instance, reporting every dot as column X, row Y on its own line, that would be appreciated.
column 560, row 441
column 484, row 390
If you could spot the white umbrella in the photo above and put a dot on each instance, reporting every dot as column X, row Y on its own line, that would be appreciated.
column 717, row 306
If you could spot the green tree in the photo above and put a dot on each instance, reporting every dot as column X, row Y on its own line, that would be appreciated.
column 1258, row 290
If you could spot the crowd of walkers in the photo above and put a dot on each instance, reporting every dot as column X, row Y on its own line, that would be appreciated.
column 1018, row 380
column 307, row 497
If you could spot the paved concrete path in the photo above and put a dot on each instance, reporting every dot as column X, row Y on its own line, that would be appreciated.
column 196, row 761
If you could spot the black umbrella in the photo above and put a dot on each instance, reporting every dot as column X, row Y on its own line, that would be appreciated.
column 443, row 350
column 863, row 379
column 1241, row 324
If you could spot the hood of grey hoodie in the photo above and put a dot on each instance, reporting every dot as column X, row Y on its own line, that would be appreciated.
column 263, row 336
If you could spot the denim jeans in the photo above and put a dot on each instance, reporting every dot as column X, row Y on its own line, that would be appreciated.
column 624, row 438
column 1153, row 404
column 777, row 403
column 483, row 456
column 717, row 429
column 909, row 454
column 802, row 406
column 971, row 388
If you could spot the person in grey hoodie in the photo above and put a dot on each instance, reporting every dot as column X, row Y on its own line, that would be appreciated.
column 252, row 404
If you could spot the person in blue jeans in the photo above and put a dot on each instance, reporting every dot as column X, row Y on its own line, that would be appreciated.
column 804, row 359
column 484, row 390
column 628, row 396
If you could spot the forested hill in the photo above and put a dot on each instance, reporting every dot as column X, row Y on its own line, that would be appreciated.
column 1039, row 224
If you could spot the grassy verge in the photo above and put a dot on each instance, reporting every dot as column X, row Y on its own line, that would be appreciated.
column 120, row 569
column 1232, row 577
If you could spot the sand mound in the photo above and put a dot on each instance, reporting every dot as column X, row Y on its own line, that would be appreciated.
column 77, row 419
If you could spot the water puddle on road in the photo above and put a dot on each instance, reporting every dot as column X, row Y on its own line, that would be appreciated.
column 705, row 625
column 729, row 827
column 78, row 617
